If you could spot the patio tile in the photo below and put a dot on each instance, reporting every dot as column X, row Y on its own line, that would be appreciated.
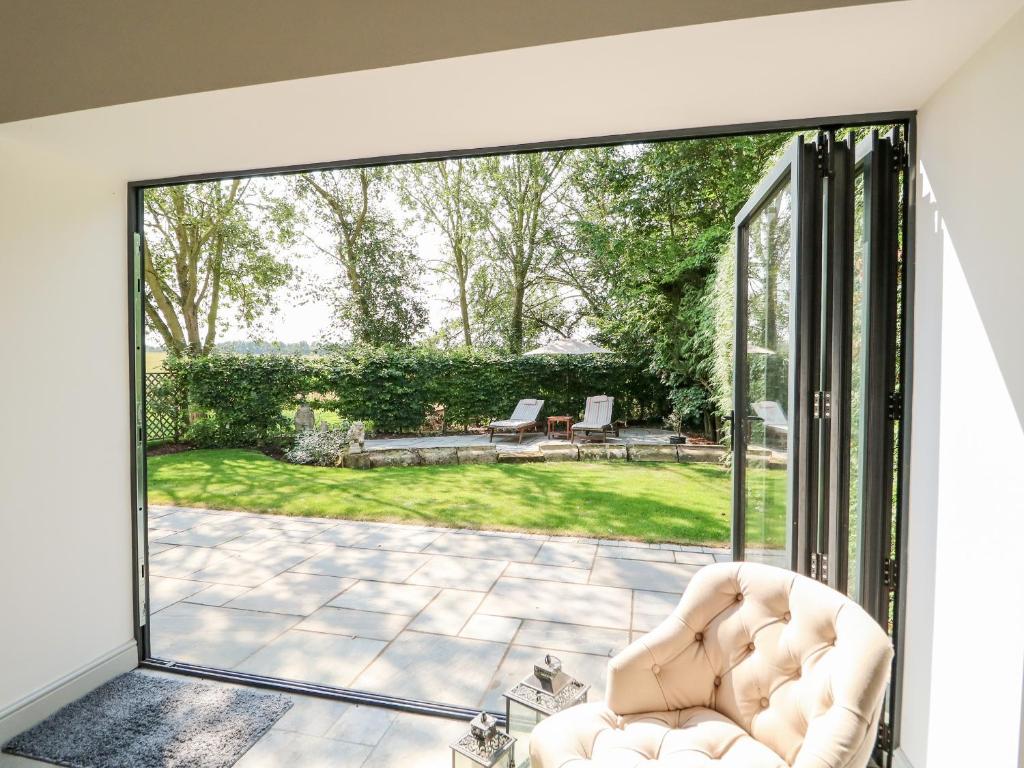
column 355, row 623
column 154, row 534
column 216, row 637
column 287, row 749
column 519, row 661
column 398, row 540
column 548, row 573
column 165, row 591
column 363, row 563
column 362, row 725
column 383, row 597
column 459, row 572
column 313, row 657
column 251, row 539
column 414, row 741
column 156, row 549
column 433, row 668
column 448, row 612
column 498, row 629
column 639, row 574
column 636, row 553
column 566, row 554
column 345, row 534
column 257, row 564
column 651, row 608
column 294, row 593
column 217, row 594
column 583, row 604
column 183, row 561
column 203, row 536
column 183, row 519
column 311, row 715
column 515, row 548
column 552, row 636
column 694, row 558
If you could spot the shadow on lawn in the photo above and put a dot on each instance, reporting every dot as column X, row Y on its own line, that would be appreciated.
column 652, row 502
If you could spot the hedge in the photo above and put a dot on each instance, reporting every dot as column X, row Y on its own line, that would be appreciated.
column 240, row 397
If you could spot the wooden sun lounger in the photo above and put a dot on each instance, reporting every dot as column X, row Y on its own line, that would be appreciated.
column 523, row 419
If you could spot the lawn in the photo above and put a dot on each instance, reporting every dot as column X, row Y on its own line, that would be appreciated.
column 682, row 503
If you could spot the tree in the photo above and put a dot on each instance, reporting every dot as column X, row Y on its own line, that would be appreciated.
column 206, row 246
column 378, row 297
column 518, row 198
column 442, row 195
column 649, row 225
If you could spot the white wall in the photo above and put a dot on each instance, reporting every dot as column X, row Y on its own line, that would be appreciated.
column 965, row 638
column 64, row 487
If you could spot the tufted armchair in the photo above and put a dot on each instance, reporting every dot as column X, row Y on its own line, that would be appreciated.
column 757, row 667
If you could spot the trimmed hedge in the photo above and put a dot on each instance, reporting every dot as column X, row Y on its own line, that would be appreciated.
column 241, row 397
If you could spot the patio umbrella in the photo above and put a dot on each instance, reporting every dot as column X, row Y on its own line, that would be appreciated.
column 568, row 347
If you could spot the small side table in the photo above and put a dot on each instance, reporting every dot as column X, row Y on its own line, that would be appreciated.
column 566, row 424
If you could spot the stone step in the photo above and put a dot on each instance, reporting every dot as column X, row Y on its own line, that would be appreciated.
column 519, row 457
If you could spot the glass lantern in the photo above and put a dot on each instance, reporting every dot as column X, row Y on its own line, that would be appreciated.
column 547, row 691
column 484, row 745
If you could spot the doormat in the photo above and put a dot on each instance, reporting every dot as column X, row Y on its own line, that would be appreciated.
column 141, row 720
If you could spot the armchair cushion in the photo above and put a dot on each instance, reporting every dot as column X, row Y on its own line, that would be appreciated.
column 789, row 662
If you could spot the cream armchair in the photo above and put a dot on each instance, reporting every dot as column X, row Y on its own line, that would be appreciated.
column 757, row 667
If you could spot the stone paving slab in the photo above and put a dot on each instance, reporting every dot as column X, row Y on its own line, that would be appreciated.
column 640, row 574
column 565, row 603
column 355, row 623
column 313, row 657
column 431, row 667
column 403, row 605
column 458, row 572
column 292, row 593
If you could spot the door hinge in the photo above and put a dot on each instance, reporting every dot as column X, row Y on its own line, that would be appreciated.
column 890, row 574
column 822, row 156
column 822, row 405
column 884, row 737
column 895, row 406
column 819, row 566
column 900, row 156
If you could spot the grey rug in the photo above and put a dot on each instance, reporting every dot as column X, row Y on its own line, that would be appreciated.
column 140, row 720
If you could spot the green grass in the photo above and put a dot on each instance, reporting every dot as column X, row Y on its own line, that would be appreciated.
column 683, row 503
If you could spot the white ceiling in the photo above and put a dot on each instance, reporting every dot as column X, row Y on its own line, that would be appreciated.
column 849, row 60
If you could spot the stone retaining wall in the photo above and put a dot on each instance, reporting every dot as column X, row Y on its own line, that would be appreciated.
column 549, row 452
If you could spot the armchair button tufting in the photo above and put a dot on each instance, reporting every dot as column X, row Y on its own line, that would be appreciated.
column 718, row 681
column 699, row 637
column 764, row 703
column 750, row 647
column 656, row 669
column 739, row 597
column 787, row 616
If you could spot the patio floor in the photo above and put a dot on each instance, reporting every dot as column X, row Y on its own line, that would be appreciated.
column 452, row 616
column 508, row 442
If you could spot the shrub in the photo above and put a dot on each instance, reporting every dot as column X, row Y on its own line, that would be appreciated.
column 239, row 399
column 320, row 447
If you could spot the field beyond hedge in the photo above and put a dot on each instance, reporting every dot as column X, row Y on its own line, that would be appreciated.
column 682, row 503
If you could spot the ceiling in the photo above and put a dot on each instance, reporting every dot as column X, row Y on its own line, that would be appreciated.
column 66, row 55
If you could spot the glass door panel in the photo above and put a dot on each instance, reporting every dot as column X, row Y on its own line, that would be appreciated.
column 766, row 458
column 777, row 242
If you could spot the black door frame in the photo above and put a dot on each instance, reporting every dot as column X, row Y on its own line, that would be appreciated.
column 136, row 349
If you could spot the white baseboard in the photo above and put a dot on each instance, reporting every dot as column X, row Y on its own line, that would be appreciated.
column 42, row 703
column 899, row 759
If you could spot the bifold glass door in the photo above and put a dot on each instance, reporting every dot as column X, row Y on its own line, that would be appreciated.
column 776, row 245
column 816, row 321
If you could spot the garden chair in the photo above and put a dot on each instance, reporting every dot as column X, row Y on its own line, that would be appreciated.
column 774, row 419
column 597, row 417
column 523, row 419
column 757, row 667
